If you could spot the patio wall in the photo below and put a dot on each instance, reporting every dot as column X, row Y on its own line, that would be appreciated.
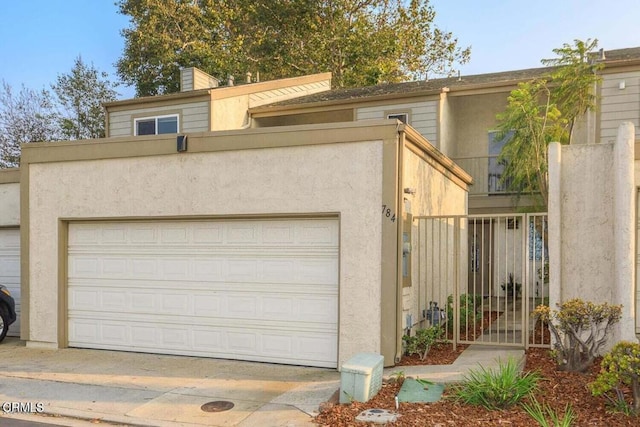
column 591, row 225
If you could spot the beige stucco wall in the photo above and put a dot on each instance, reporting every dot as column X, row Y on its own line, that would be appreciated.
column 231, row 113
column 334, row 178
column 475, row 116
column 435, row 194
column 587, row 222
column 9, row 198
column 592, row 217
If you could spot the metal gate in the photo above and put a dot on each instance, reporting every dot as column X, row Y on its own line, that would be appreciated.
column 483, row 275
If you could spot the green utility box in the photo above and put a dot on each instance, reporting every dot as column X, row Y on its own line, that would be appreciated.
column 361, row 377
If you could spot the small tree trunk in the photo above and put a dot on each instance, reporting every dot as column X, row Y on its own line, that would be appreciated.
column 635, row 388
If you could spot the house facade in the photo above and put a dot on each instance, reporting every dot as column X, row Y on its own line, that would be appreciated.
column 301, row 197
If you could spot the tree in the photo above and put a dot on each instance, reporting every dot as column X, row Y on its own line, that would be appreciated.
column 28, row 116
column 361, row 42
column 546, row 110
column 80, row 94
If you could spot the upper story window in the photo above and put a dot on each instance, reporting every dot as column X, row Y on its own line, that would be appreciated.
column 156, row 125
column 496, row 168
column 403, row 117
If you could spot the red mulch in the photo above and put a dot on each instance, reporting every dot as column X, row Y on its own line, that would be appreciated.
column 556, row 389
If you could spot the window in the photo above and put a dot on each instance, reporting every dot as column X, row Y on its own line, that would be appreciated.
column 403, row 117
column 156, row 125
column 496, row 168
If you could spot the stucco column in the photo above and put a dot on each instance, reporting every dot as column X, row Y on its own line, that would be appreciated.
column 554, row 210
column 624, row 230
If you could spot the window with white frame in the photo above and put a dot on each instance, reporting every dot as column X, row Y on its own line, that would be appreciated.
column 156, row 125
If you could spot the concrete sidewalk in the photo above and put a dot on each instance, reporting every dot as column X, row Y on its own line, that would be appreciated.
column 85, row 387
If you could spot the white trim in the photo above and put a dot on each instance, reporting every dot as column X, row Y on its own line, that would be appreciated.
column 139, row 119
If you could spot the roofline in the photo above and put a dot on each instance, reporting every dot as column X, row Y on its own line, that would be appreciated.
column 223, row 92
column 268, row 109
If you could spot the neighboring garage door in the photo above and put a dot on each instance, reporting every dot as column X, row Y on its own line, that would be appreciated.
column 10, row 269
column 263, row 290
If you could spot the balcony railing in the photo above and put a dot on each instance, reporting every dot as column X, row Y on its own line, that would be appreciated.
column 486, row 173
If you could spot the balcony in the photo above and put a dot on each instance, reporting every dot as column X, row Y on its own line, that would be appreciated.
column 486, row 173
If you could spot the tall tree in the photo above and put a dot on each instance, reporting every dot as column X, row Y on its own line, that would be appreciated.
column 80, row 94
column 360, row 41
column 25, row 116
column 546, row 110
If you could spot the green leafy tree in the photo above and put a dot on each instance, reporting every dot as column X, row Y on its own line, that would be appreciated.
column 80, row 94
column 361, row 42
column 546, row 110
column 25, row 116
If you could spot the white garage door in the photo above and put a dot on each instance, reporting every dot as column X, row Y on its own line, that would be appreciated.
column 263, row 290
column 10, row 269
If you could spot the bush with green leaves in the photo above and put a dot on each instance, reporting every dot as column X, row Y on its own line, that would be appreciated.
column 470, row 314
column 541, row 414
column 423, row 340
column 620, row 368
column 497, row 388
column 580, row 330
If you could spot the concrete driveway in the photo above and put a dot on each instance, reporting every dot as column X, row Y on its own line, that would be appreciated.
column 82, row 387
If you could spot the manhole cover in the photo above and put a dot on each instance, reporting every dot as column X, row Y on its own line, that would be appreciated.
column 217, row 406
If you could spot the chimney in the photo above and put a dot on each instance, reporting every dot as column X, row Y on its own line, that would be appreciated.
column 193, row 79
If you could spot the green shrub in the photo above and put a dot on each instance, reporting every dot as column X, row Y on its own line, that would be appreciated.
column 422, row 341
column 540, row 413
column 496, row 389
column 470, row 314
column 580, row 329
column 620, row 367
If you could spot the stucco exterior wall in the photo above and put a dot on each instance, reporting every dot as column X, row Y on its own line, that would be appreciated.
column 587, row 222
column 475, row 117
column 333, row 178
column 592, row 218
column 436, row 194
column 422, row 116
column 619, row 102
column 9, row 198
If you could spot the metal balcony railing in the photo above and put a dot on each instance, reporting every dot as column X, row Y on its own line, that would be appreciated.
column 486, row 173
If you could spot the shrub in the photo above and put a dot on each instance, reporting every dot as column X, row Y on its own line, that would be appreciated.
column 469, row 310
column 620, row 367
column 540, row 413
column 423, row 340
column 496, row 389
column 580, row 330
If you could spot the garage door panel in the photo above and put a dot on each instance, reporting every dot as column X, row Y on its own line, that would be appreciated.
column 254, row 290
column 252, row 304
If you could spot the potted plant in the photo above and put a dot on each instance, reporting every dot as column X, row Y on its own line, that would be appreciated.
column 511, row 287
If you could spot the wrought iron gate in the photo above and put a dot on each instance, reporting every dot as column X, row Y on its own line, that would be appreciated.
column 483, row 275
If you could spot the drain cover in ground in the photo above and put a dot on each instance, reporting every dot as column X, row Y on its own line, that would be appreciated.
column 420, row 391
column 377, row 416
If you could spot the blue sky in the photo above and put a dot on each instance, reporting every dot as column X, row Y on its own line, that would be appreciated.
column 40, row 39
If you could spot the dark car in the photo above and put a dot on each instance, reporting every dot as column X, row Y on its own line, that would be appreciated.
column 7, row 311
